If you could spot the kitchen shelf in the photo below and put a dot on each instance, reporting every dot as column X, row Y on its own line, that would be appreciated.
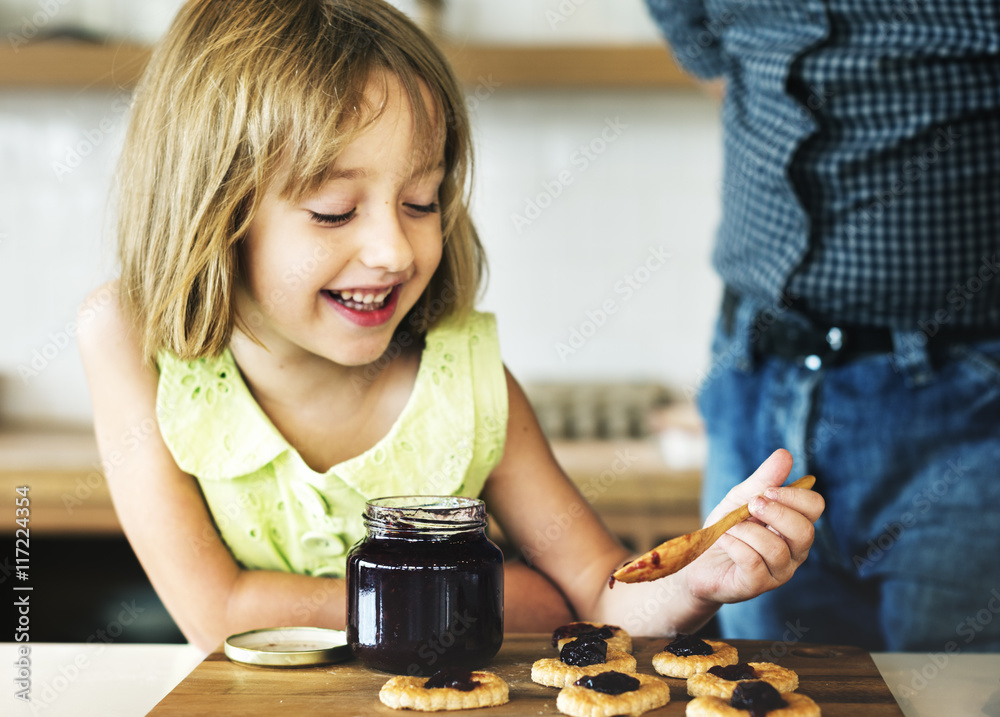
column 72, row 64
column 591, row 66
column 62, row 470
column 63, row 63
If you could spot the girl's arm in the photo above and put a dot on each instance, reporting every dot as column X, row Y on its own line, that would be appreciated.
column 543, row 514
column 531, row 602
column 162, row 511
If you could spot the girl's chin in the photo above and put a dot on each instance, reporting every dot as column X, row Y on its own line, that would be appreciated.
column 359, row 356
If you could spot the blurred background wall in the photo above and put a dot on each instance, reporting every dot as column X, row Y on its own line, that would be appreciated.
column 577, row 191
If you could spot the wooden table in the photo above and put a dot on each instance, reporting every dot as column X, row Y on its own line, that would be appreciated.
column 843, row 680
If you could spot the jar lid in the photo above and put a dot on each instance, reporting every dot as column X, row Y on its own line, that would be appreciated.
column 288, row 647
column 442, row 514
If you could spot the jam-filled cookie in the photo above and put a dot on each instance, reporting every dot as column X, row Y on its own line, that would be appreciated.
column 579, row 658
column 615, row 636
column 687, row 655
column 721, row 681
column 447, row 689
column 754, row 699
column 612, row 693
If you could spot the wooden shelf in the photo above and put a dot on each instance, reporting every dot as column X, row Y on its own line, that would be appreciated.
column 595, row 66
column 58, row 63
column 66, row 487
column 637, row 495
column 80, row 65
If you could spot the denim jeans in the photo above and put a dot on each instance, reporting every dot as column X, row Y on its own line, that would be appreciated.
column 905, row 447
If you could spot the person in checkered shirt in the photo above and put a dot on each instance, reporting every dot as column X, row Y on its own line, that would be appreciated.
column 860, row 325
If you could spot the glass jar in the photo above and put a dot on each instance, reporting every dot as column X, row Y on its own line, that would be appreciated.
column 425, row 586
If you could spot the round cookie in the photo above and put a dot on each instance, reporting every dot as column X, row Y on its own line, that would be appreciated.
column 685, row 665
column 797, row 706
column 581, row 701
column 615, row 636
column 579, row 658
column 411, row 693
column 706, row 684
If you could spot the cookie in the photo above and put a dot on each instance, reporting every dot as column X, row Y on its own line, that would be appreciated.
column 687, row 656
column 599, row 695
column 579, row 658
column 754, row 699
column 615, row 636
column 448, row 689
column 721, row 681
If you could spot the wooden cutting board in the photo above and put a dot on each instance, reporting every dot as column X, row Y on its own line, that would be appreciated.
column 843, row 680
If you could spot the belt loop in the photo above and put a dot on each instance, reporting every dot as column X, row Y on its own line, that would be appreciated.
column 730, row 301
column 911, row 357
column 742, row 347
column 737, row 320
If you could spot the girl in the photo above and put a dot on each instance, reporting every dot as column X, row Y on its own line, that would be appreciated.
column 295, row 310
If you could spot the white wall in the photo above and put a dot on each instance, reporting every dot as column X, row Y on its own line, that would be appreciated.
column 651, row 189
column 57, row 152
column 650, row 183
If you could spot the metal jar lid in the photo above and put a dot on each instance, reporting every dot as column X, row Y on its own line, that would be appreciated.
column 288, row 647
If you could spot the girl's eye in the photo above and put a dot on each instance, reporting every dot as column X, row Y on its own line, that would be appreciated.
column 432, row 208
column 332, row 220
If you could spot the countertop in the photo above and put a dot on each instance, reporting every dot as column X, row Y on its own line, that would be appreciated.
column 98, row 680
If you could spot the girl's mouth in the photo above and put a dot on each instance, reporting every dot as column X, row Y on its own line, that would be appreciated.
column 362, row 300
column 365, row 307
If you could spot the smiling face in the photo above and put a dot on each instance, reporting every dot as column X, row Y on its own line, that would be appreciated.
column 333, row 273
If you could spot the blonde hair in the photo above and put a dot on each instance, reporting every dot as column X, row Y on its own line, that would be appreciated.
column 239, row 94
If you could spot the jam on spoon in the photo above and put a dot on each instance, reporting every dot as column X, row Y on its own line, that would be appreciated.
column 688, row 645
column 584, row 651
column 758, row 698
column 452, row 677
column 610, row 683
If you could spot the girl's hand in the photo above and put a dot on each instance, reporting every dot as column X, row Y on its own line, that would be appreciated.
column 763, row 552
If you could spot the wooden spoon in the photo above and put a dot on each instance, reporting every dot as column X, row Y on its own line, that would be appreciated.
column 671, row 556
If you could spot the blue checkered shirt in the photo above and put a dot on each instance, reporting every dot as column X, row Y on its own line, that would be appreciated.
column 862, row 153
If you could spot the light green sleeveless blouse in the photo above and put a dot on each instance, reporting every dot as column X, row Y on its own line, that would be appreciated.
column 276, row 513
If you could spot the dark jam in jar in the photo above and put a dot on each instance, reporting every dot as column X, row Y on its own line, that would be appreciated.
column 610, row 683
column 688, row 645
column 757, row 698
column 425, row 586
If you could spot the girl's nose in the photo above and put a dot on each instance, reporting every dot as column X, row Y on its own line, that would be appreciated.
column 385, row 244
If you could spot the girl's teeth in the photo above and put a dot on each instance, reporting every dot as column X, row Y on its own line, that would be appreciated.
column 366, row 300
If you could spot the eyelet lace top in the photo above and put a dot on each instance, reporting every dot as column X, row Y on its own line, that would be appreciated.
column 272, row 510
